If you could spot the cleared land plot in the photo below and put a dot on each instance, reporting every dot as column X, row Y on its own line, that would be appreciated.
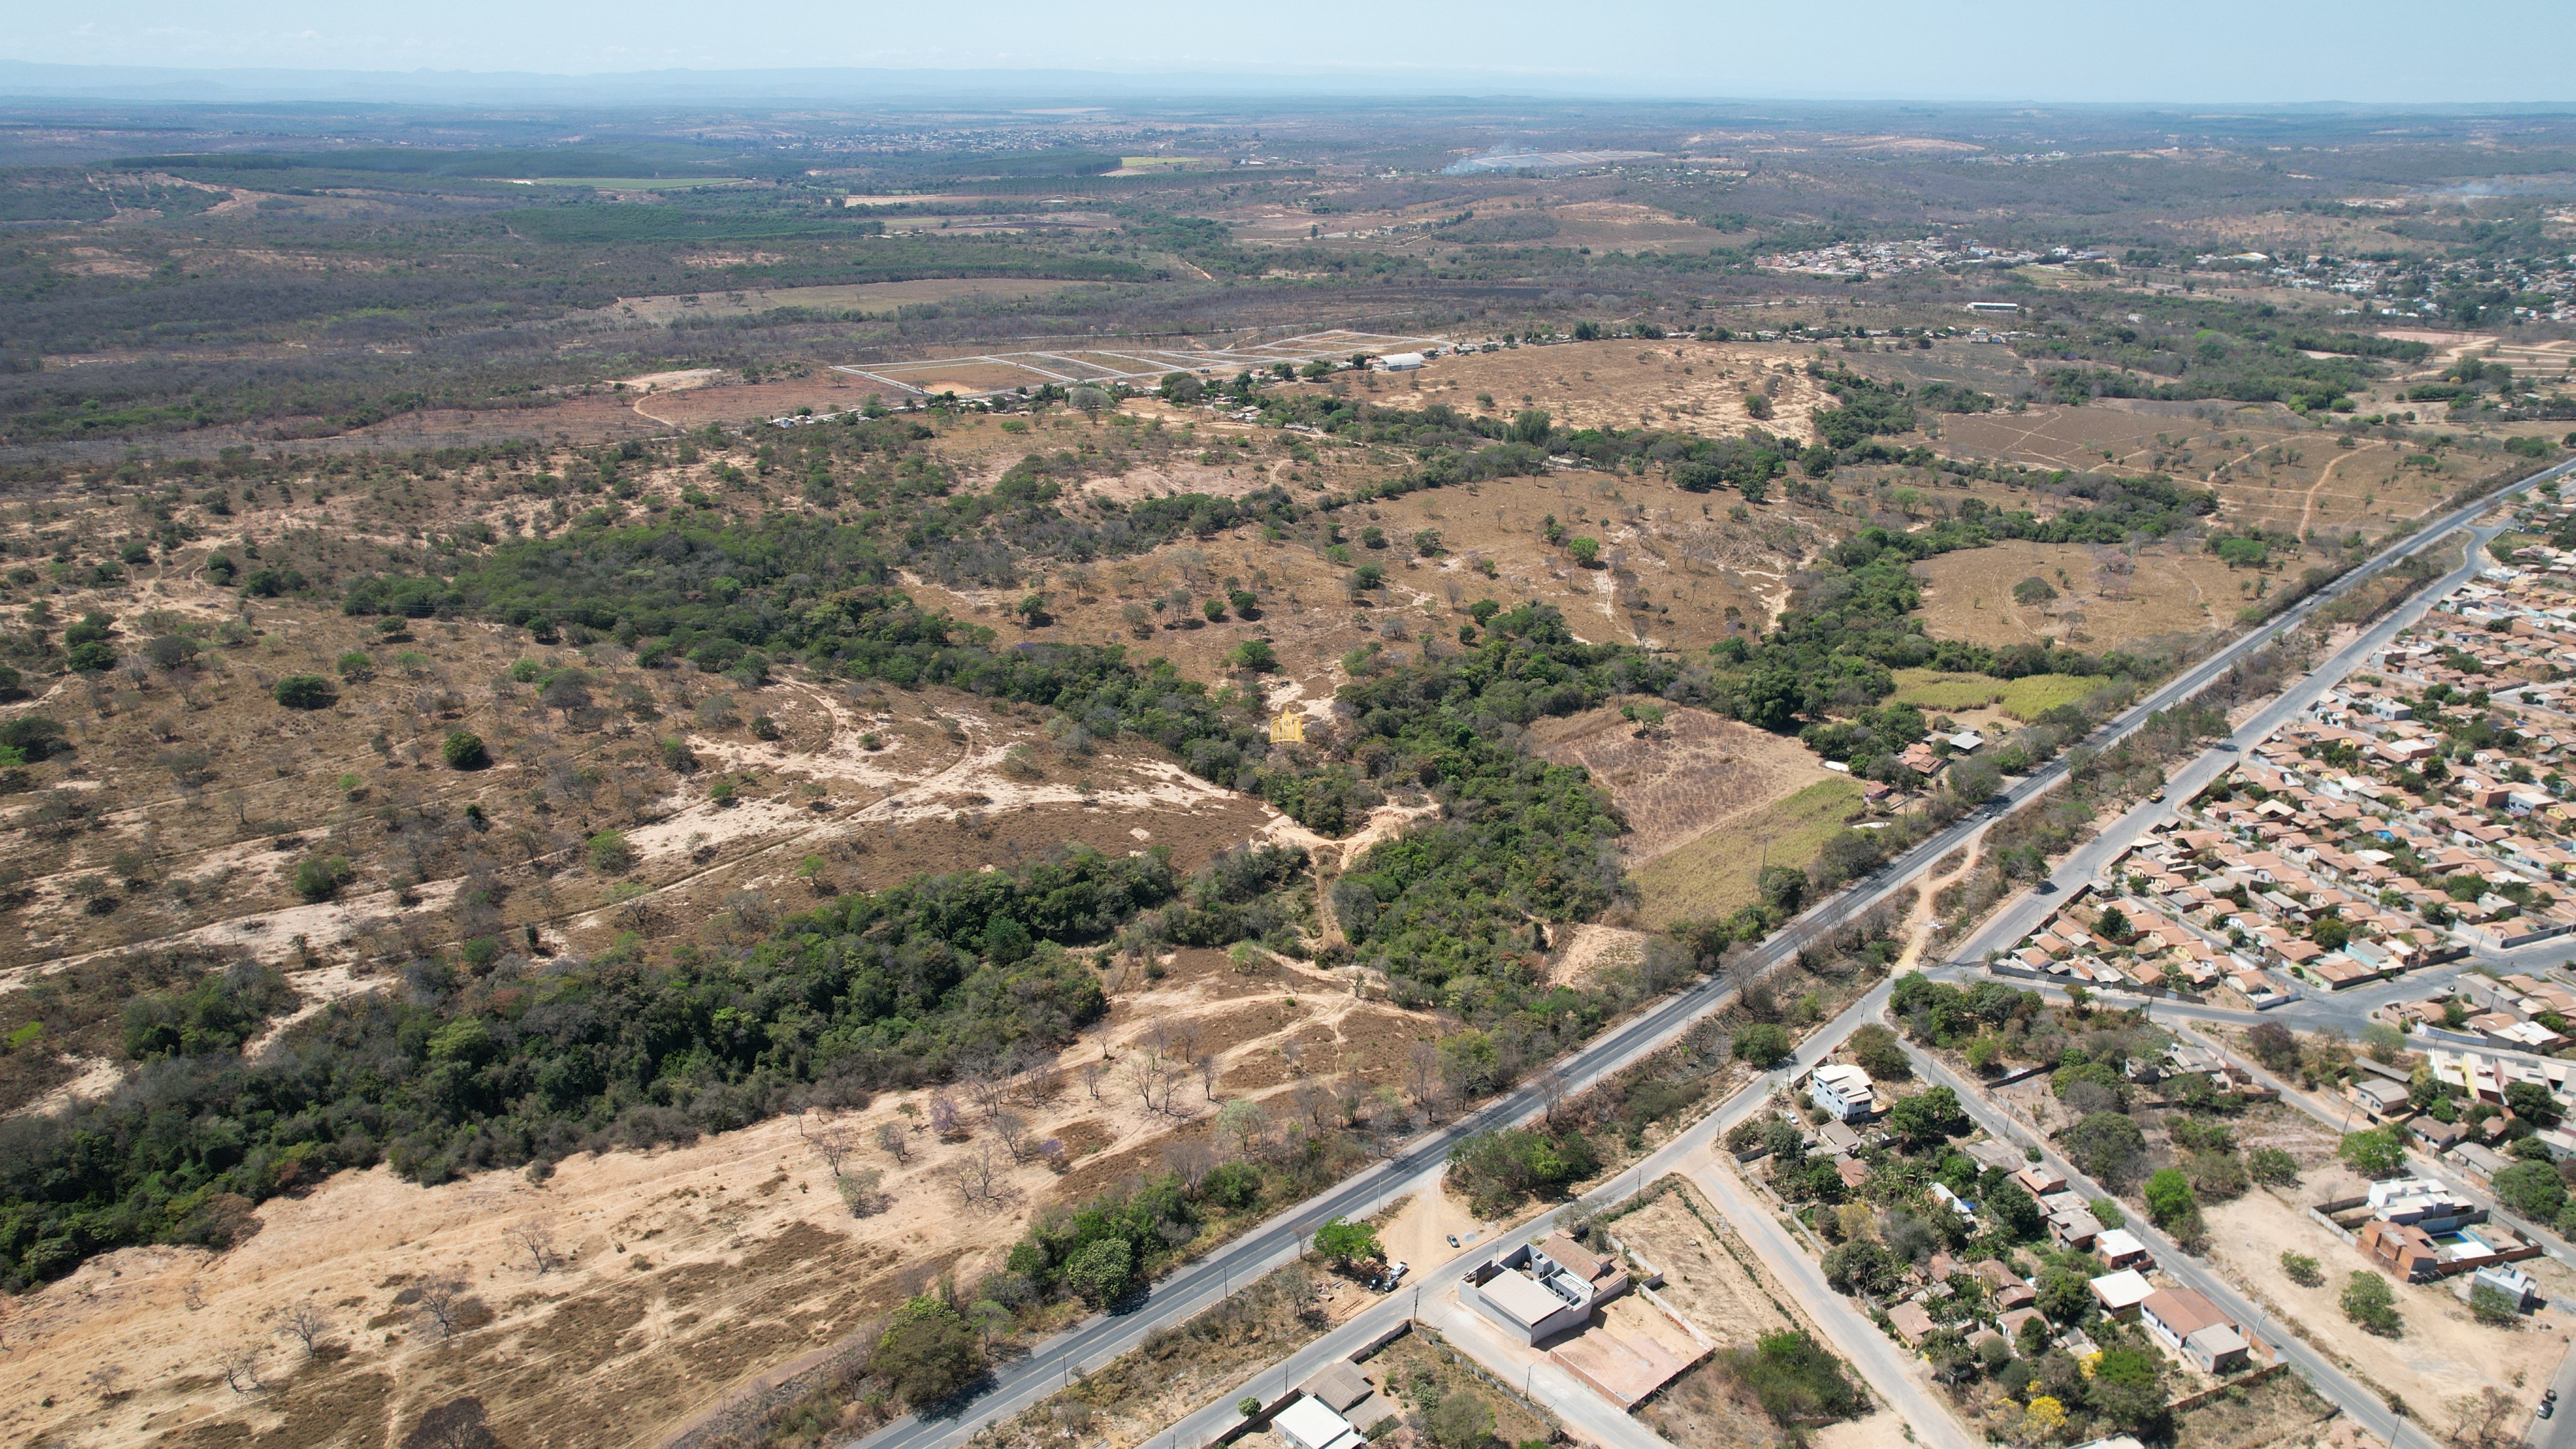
column 1692, row 776
column 1676, row 383
column 983, row 374
column 2023, row 699
column 1711, row 1283
column 2104, row 599
column 2280, row 1411
column 1714, row 875
column 2441, row 1354
column 869, row 297
column 1628, row 227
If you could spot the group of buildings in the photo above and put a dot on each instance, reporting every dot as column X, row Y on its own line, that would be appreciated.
column 2413, row 813
column 2421, row 1231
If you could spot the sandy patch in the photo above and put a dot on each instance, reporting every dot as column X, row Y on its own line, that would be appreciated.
column 674, row 381
column 1420, row 1230
column 1593, row 949
column 97, row 1077
column 1885, row 1429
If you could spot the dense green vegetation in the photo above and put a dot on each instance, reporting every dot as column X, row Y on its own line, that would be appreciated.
column 462, row 1071
column 2183, row 351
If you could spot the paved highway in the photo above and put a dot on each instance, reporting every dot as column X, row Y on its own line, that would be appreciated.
column 1417, row 1165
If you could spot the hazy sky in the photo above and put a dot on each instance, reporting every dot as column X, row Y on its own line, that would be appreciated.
column 2178, row 50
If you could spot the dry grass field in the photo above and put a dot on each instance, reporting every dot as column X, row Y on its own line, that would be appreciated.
column 875, row 299
column 1714, row 875
column 1675, row 383
column 2106, row 598
column 1715, row 1281
column 1676, row 784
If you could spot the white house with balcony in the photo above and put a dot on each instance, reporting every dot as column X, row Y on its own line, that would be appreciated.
column 1844, row 1091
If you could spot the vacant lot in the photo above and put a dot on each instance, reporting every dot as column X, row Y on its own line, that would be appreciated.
column 1676, row 783
column 1711, row 1279
column 1671, row 383
column 2442, row 1352
column 1714, row 875
column 2104, row 598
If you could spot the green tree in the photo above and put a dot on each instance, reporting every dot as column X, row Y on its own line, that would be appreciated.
column 1795, row 1379
column 2033, row 590
column 1860, row 1267
column 1927, row 1119
column 2170, row 1201
column 463, row 750
column 1099, row 1271
column 320, row 877
column 355, row 666
column 306, row 691
column 1255, row 655
column 2272, row 1166
column 2373, row 1152
column 1586, row 551
column 927, row 1353
column 2368, row 1301
column 2128, row 1386
column 1875, row 1050
column 2534, row 1103
column 1461, row 1420
column 1347, row 1242
column 2107, row 1145
column 1761, row 1044
column 2532, row 1189
column 609, row 852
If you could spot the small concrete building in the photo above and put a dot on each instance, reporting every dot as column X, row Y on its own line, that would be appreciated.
column 1546, row 1290
column 2120, row 1293
column 1843, row 1091
column 1309, row 1423
column 2121, row 1249
column 2076, row 1228
column 2513, row 1283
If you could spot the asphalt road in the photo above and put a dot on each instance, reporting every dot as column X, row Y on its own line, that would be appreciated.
column 1101, row 1338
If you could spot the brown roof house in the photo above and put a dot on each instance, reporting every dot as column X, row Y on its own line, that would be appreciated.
column 2191, row 1325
